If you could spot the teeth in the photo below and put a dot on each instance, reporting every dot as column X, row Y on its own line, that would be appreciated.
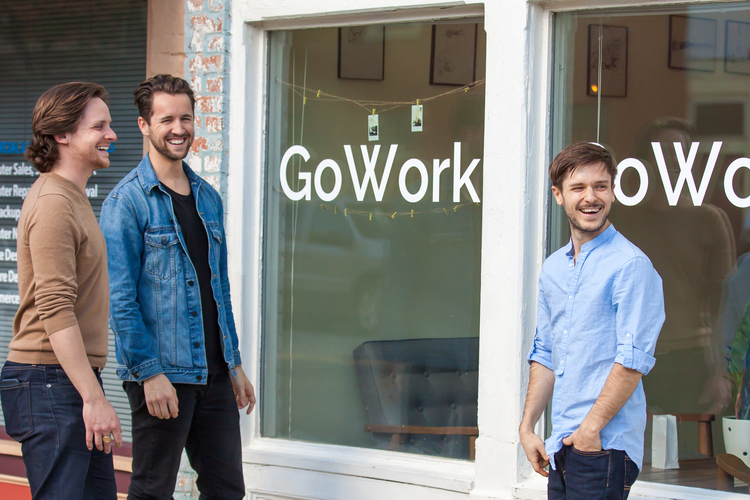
column 176, row 142
column 102, row 148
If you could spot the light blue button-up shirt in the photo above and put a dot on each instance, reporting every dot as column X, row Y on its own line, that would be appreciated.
column 606, row 307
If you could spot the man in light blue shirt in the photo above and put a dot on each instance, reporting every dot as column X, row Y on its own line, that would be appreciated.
column 599, row 313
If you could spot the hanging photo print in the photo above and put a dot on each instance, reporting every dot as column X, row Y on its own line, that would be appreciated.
column 416, row 118
column 373, row 132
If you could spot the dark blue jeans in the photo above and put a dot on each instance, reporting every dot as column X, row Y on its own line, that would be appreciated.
column 591, row 475
column 44, row 412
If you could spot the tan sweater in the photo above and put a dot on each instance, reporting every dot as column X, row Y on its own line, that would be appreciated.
column 62, row 273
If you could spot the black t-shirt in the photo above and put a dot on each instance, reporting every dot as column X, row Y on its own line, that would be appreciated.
column 196, row 241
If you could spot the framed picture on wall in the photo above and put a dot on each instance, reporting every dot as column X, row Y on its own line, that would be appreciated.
column 454, row 48
column 737, row 47
column 362, row 52
column 612, row 43
column 692, row 43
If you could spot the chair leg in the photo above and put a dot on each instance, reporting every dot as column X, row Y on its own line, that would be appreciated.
column 705, row 439
column 725, row 481
column 396, row 441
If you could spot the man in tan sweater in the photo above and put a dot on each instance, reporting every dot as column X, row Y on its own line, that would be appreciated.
column 51, row 387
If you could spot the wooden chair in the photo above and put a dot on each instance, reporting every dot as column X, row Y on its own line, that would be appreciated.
column 399, row 434
column 730, row 467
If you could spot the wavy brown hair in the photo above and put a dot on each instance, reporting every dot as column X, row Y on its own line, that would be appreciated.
column 58, row 111
column 144, row 94
column 577, row 155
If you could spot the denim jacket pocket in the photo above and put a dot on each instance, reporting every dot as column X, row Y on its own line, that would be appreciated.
column 215, row 231
column 162, row 249
column 16, row 400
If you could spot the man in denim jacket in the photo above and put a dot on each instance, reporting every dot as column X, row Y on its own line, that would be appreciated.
column 176, row 342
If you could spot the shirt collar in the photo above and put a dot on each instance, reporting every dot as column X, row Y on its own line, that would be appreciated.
column 148, row 179
column 604, row 237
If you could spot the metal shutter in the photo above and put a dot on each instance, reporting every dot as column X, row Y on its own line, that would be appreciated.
column 43, row 43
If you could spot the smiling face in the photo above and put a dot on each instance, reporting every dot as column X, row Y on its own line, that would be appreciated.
column 87, row 146
column 170, row 129
column 586, row 195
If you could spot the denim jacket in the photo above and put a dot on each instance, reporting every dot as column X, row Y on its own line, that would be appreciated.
column 155, row 302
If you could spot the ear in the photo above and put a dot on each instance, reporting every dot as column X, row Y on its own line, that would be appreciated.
column 62, row 138
column 558, row 195
column 143, row 125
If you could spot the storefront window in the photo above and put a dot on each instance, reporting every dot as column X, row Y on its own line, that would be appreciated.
column 671, row 99
column 372, row 236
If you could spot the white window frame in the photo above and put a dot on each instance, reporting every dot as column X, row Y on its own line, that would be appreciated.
column 517, row 127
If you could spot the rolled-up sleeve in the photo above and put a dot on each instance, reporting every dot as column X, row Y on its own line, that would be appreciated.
column 54, row 238
column 541, row 349
column 638, row 300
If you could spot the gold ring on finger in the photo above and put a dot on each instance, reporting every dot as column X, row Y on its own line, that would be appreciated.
column 106, row 439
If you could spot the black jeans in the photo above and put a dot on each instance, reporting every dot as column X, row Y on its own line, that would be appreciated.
column 44, row 412
column 207, row 427
column 591, row 475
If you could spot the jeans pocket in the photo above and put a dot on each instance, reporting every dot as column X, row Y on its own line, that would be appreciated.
column 600, row 453
column 631, row 473
column 16, row 401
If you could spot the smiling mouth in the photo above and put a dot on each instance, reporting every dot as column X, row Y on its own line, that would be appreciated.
column 177, row 141
column 102, row 148
column 590, row 210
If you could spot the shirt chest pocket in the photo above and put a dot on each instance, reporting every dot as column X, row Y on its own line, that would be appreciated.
column 163, row 250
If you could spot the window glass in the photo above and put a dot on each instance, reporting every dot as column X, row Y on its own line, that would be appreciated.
column 372, row 236
column 671, row 99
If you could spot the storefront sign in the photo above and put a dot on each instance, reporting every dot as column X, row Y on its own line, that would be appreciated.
column 460, row 179
column 697, row 193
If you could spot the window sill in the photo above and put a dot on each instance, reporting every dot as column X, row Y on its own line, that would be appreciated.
column 433, row 472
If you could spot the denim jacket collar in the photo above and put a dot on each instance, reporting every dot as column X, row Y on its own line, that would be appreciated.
column 147, row 175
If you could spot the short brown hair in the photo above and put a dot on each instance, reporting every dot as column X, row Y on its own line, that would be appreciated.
column 58, row 111
column 577, row 155
column 144, row 94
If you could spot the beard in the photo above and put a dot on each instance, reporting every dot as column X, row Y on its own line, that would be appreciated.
column 577, row 227
column 161, row 147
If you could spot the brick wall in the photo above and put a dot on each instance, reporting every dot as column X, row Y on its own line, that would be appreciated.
column 206, row 68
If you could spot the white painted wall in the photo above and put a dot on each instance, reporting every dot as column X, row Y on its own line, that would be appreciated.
column 514, row 207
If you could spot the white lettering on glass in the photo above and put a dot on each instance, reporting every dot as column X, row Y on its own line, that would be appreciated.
column 413, row 163
column 639, row 167
column 303, row 176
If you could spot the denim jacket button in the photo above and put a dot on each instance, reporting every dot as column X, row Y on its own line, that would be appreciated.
column 196, row 344
column 194, row 313
column 135, row 374
column 199, row 377
column 190, row 283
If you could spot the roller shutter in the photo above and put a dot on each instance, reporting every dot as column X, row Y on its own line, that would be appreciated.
column 43, row 43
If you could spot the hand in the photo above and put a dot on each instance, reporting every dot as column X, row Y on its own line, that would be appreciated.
column 584, row 440
column 534, row 448
column 101, row 420
column 161, row 397
column 243, row 390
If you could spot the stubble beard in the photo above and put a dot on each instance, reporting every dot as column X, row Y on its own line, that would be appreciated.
column 576, row 227
column 162, row 149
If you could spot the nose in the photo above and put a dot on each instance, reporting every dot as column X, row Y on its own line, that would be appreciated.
column 177, row 128
column 110, row 135
column 590, row 194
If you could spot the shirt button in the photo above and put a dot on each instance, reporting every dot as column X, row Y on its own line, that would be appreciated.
column 627, row 335
column 194, row 313
column 565, row 332
column 570, row 265
column 570, row 297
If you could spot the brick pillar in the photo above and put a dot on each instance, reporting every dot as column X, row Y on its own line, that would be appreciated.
column 206, row 68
